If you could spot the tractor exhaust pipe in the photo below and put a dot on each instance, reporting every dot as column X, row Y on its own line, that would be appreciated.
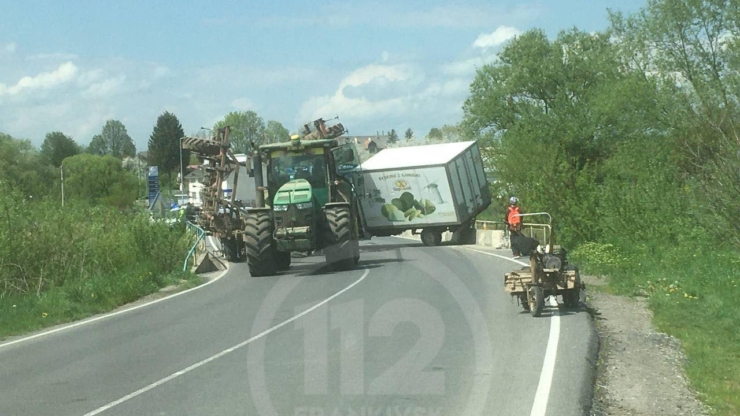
column 258, row 179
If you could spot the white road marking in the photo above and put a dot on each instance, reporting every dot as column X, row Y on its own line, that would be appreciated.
column 213, row 243
column 224, row 352
column 112, row 314
column 539, row 407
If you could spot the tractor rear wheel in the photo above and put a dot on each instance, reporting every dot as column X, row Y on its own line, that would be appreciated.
column 261, row 252
column 342, row 248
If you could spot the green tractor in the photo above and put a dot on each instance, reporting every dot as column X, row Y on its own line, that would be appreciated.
column 309, row 204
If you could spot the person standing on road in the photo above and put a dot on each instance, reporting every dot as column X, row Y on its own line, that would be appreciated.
column 513, row 222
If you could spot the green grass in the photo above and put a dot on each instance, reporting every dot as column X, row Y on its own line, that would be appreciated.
column 61, row 264
column 694, row 294
column 23, row 313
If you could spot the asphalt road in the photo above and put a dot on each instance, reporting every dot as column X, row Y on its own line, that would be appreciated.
column 412, row 331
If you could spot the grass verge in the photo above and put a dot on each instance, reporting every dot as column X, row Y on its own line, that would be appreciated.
column 693, row 295
column 23, row 313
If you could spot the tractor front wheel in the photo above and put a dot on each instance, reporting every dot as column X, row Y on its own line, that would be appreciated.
column 261, row 252
column 342, row 249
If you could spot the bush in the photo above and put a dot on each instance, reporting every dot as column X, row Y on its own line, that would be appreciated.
column 71, row 261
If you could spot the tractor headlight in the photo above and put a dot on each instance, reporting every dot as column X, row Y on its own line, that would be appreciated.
column 304, row 205
column 280, row 208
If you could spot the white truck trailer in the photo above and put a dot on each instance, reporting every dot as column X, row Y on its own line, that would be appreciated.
column 429, row 189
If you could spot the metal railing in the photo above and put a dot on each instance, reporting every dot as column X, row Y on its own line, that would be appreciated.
column 540, row 232
column 200, row 235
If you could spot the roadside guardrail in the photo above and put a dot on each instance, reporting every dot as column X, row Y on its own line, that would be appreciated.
column 200, row 236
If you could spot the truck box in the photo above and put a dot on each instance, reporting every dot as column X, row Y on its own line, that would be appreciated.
column 441, row 186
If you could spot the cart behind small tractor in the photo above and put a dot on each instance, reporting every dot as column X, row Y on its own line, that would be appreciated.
column 548, row 274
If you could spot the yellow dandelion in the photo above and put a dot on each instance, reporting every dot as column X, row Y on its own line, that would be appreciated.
column 44, row 315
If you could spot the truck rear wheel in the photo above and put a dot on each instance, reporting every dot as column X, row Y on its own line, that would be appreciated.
column 342, row 249
column 261, row 252
column 430, row 237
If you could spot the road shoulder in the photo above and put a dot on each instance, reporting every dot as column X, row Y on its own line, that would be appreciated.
column 640, row 371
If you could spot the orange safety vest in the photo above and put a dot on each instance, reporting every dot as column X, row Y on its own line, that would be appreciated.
column 513, row 218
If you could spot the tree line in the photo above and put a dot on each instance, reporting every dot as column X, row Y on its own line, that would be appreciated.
column 629, row 133
column 102, row 171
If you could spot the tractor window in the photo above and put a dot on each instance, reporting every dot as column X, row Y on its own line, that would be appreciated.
column 309, row 167
column 346, row 158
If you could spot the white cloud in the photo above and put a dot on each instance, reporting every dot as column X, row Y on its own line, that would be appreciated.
column 372, row 72
column 8, row 48
column 87, row 78
column 243, row 104
column 359, row 107
column 467, row 67
column 45, row 80
column 105, row 88
column 56, row 56
column 390, row 14
column 161, row 72
column 496, row 38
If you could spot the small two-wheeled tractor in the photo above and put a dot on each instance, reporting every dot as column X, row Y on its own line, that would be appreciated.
column 548, row 274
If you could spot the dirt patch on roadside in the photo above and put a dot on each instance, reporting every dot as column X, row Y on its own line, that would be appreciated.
column 640, row 371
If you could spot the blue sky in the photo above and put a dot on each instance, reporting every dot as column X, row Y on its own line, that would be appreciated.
column 70, row 65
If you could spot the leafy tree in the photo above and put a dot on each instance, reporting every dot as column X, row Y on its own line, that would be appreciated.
column 246, row 127
column 22, row 168
column 451, row 133
column 275, row 132
column 692, row 48
column 113, row 140
column 435, row 134
column 553, row 112
column 57, row 147
column 392, row 137
column 164, row 144
column 409, row 134
column 99, row 179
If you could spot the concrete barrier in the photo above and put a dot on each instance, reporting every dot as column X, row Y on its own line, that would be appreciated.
column 491, row 238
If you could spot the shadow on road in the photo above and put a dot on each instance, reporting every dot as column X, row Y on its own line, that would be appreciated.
column 377, row 248
column 563, row 311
